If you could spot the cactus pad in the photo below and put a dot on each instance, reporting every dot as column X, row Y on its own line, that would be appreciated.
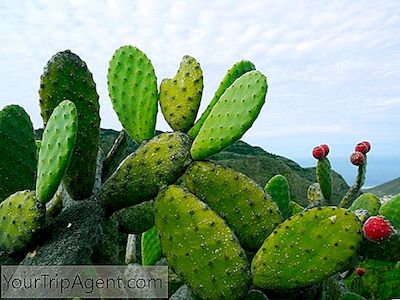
column 368, row 202
column 132, row 85
column 314, row 193
column 17, row 151
column 306, row 248
column 66, row 77
column 391, row 211
column 136, row 219
column 180, row 96
column 244, row 205
column 57, row 146
column 233, row 73
column 157, row 163
column 232, row 115
column 278, row 188
column 21, row 217
column 200, row 247
column 324, row 177
column 151, row 247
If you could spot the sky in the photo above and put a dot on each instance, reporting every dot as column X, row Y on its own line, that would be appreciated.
column 333, row 67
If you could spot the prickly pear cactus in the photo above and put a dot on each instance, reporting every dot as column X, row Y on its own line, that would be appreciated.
column 324, row 177
column 247, row 209
column 180, row 96
column 237, row 70
column 151, row 247
column 66, row 77
column 391, row 211
column 278, row 188
column 306, row 248
column 18, row 156
column 155, row 164
column 57, row 146
column 21, row 217
column 232, row 115
column 200, row 247
column 368, row 202
column 132, row 85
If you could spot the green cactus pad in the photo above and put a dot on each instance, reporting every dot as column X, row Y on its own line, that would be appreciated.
column 180, row 96
column 314, row 193
column 132, row 86
column 307, row 248
column 324, row 177
column 294, row 208
column 21, row 217
column 66, row 77
column 368, row 202
column 200, row 247
column 159, row 162
column 354, row 191
column 151, row 247
column 391, row 211
column 232, row 115
column 57, row 146
column 278, row 188
column 136, row 219
column 17, row 151
column 247, row 209
column 233, row 73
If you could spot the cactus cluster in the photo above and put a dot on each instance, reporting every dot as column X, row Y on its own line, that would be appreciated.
column 222, row 235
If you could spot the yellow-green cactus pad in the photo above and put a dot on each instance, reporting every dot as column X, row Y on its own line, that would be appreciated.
column 21, row 216
column 307, row 248
column 180, row 96
column 200, row 247
column 155, row 164
column 244, row 205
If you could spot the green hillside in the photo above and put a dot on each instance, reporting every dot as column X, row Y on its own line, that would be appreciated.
column 388, row 188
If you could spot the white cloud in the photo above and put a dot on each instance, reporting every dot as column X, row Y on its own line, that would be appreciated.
column 326, row 62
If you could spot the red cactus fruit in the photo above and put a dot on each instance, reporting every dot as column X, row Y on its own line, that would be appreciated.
column 318, row 152
column 363, row 147
column 377, row 229
column 360, row 272
column 357, row 158
column 326, row 149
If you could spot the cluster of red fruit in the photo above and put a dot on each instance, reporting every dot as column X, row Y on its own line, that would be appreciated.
column 320, row 151
column 357, row 158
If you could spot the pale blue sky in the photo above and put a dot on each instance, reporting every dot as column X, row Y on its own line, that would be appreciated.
column 333, row 67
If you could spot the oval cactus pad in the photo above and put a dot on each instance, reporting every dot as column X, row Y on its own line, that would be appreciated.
column 232, row 115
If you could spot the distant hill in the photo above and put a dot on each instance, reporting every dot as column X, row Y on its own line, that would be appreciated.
column 388, row 188
column 257, row 164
